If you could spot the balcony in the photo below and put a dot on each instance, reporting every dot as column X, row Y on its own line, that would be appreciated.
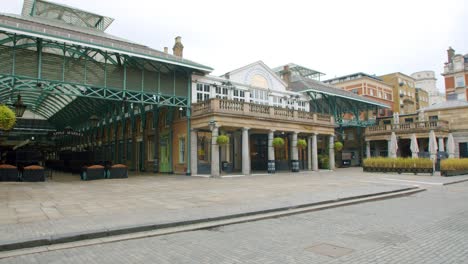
column 258, row 111
column 405, row 128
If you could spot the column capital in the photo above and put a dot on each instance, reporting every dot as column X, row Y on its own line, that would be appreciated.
column 245, row 128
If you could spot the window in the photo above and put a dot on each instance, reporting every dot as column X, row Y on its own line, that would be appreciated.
column 259, row 96
column 433, row 118
column 460, row 81
column 355, row 91
column 277, row 101
column 408, row 120
column 238, row 95
column 221, row 92
column 301, row 105
column 203, row 92
column 182, row 150
column 379, row 94
column 150, row 148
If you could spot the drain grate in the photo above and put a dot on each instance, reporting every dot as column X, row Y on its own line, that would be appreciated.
column 330, row 250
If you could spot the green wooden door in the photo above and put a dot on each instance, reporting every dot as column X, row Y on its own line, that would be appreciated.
column 164, row 159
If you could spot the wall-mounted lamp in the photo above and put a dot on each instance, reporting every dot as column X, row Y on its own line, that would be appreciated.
column 212, row 124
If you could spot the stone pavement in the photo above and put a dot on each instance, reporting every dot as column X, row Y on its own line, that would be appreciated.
column 428, row 227
column 66, row 205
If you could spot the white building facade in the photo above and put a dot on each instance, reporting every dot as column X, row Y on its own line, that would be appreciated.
column 427, row 81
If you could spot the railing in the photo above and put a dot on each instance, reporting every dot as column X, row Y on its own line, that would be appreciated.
column 408, row 127
column 244, row 109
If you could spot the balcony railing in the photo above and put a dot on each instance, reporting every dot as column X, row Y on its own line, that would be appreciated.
column 424, row 126
column 223, row 106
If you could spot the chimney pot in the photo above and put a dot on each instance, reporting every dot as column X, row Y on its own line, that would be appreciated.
column 178, row 49
column 450, row 54
column 286, row 75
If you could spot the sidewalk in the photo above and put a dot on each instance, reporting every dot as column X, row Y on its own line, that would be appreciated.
column 69, row 207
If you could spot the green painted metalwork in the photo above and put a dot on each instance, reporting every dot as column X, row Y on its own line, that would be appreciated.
column 65, row 72
column 189, row 135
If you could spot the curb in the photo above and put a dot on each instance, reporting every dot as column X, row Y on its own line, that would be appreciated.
column 255, row 215
column 455, row 182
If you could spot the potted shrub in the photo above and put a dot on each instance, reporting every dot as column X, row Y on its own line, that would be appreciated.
column 117, row 171
column 338, row 146
column 33, row 173
column 7, row 118
column 8, row 173
column 278, row 142
column 301, row 143
column 222, row 140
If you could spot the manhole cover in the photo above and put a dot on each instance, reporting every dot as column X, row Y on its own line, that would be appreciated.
column 330, row 250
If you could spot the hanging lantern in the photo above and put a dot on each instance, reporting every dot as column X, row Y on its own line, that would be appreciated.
column 19, row 107
column 93, row 120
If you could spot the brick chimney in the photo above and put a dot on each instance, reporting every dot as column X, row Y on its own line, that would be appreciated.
column 166, row 50
column 178, row 49
column 286, row 74
column 450, row 54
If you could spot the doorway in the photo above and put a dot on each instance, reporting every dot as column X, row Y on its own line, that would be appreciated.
column 259, row 152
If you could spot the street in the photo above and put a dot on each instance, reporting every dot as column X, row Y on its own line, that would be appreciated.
column 428, row 227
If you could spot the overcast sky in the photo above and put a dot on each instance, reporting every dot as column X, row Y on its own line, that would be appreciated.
column 334, row 37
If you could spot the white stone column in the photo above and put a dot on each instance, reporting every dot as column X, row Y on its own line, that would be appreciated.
column 368, row 154
column 245, row 151
column 441, row 144
column 271, row 153
column 388, row 148
column 214, row 153
column 331, row 148
column 193, row 152
column 314, row 153
column 294, row 153
column 309, row 153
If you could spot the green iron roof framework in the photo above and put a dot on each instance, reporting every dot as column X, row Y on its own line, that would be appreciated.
column 45, row 73
column 337, row 102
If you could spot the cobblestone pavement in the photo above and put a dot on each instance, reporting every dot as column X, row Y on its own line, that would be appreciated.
column 67, row 205
column 428, row 227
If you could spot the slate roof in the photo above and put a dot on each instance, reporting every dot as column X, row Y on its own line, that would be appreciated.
column 305, row 85
column 445, row 105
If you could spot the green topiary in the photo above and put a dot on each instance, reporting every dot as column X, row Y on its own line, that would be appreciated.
column 222, row 140
column 7, row 118
column 338, row 146
column 278, row 142
column 301, row 143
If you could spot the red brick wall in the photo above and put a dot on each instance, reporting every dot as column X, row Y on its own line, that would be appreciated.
column 449, row 83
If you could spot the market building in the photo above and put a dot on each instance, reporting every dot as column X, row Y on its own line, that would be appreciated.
column 93, row 98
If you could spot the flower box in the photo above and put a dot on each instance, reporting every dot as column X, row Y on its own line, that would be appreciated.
column 448, row 173
column 95, row 172
column 117, row 171
column 9, row 173
column 33, row 173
